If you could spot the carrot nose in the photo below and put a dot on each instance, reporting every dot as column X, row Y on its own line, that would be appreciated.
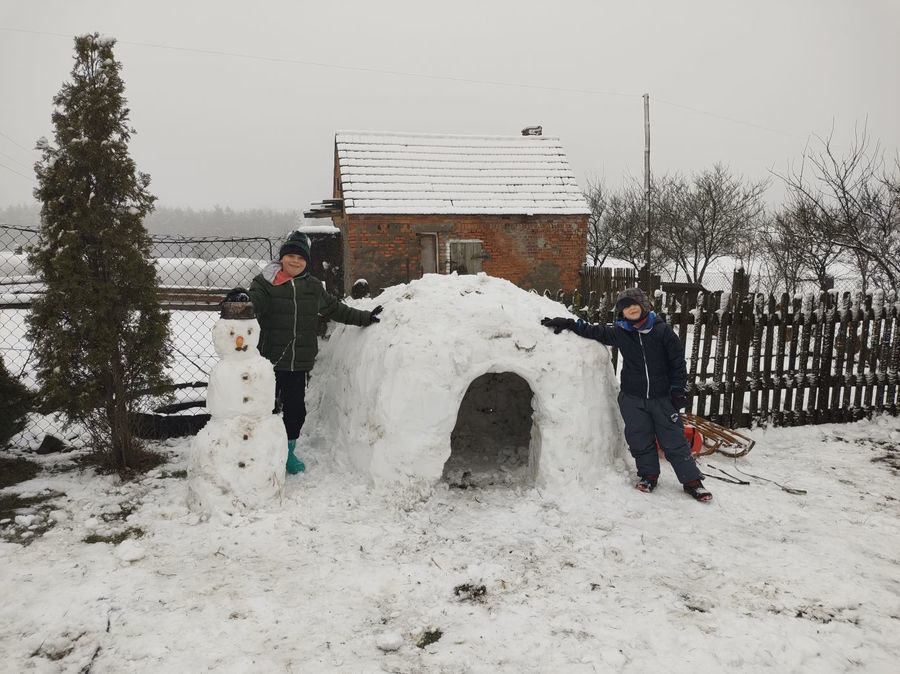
column 239, row 341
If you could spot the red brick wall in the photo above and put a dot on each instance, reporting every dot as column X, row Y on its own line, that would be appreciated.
column 541, row 251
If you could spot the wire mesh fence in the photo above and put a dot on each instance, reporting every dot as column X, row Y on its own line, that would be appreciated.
column 193, row 275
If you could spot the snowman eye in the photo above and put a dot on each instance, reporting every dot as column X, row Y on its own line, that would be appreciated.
column 249, row 331
column 231, row 333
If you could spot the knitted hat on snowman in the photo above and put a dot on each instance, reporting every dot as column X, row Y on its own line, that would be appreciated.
column 237, row 306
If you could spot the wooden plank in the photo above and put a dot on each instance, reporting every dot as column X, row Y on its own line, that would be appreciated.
column 731, row 362
column 710, row 332
column 696, row 336
column 755, row 384
column 684, row 318
column 865, row 320
column 869, row 403
column 823, row 405
column 696, row 333
column 816, row 354
column 793, row 392
column 744, row 337
column 838, row 409
column 884, row 355
column 768, row 384
column 719, row 364
column 854, row 316
column 808, row 326
column 894, row 363
column 778, row 383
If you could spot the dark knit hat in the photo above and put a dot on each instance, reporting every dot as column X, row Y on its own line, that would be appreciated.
column 237, row 306
column 296, row 244
column 631, row 296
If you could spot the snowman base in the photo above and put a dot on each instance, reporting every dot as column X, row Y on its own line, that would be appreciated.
column 237, row 464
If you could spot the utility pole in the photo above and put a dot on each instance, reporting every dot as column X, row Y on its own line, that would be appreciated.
column 647, row 181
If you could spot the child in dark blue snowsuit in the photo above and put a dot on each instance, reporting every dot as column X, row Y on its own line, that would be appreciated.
column 654, row 378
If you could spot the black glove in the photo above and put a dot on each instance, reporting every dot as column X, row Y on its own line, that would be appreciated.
column 373, row 315
column 558, row 324
column 680, row 399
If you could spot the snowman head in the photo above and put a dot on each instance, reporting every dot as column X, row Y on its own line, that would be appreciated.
column 236, row 339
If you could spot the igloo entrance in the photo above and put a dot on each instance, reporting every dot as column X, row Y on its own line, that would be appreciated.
column 491, row 441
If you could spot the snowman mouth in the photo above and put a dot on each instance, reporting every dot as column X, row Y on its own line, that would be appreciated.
column 241, row 348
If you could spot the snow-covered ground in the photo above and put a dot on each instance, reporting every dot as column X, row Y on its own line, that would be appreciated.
column 499, row 579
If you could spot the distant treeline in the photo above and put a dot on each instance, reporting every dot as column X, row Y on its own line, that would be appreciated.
column 216, row 221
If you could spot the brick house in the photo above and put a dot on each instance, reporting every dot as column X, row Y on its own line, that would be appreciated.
column 411, row 204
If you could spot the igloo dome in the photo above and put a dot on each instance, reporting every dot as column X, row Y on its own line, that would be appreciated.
column 458, row 371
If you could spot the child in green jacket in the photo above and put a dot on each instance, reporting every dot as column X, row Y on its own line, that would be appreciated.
column 288, row 303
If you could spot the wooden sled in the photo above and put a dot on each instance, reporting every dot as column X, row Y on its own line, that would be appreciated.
column 716, row 438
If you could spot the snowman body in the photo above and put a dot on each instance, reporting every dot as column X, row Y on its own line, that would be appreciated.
column 237, row 461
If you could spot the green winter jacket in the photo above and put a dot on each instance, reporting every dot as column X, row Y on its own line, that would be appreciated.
column 288, row 316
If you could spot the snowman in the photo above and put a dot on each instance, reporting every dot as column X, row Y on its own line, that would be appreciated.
column 237, row 460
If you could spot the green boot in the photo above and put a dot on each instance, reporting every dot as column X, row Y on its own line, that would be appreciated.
column 294, row 465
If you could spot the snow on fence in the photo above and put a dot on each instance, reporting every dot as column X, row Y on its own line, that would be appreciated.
column 789, row 361
column 218, row 273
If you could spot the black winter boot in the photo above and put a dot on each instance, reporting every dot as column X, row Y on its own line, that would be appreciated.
column 696, row 489
column 647, row 483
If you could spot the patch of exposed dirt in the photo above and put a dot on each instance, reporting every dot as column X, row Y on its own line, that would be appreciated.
column 24, row 519
column 470, row 592
column 13, row 471
column 142, row 461
column 428, row 637
column 115, row 538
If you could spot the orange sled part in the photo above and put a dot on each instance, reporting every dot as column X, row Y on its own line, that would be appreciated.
column 694, row 439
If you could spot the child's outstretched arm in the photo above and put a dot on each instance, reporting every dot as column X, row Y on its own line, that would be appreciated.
column 331, row 307
column 605, row 334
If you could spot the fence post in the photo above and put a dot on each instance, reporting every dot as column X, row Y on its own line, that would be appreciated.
column 894, row 361
column 756, row 345
column 740, row 286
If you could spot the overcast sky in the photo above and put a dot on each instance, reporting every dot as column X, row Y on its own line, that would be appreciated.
column 236, row 103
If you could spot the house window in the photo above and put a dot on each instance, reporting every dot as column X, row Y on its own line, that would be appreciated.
column 464, row 256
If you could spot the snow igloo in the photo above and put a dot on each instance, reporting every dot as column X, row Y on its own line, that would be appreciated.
column 460, row 381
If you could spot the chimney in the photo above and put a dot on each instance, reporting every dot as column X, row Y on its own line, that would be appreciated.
column 532, row 131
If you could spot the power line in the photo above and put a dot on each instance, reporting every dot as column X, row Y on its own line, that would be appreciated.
column 723, row 117
column 15, row 161
column 444, row 78
column 334, row 66
column 16, row 172
column 10, row 139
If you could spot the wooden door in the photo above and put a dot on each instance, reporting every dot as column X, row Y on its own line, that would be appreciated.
column 466, row 257
column 428, row 249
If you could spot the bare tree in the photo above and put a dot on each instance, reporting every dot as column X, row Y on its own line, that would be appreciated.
column 781, row 267
column 808, row 229
column 626, row 219
column 617, row 226
column 708, row 217
column 599, row 240
column 855, row 199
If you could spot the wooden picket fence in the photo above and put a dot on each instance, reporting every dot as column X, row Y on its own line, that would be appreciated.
column 752, row 359
column 605, row 281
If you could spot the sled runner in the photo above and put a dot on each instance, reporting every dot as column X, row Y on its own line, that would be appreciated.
column 715, row 438
column 706, row 437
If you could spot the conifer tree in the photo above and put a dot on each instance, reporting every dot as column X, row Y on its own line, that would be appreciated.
column 98, row 330
column 16, row 404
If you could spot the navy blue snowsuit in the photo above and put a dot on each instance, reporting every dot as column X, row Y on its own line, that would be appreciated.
column 653, row 368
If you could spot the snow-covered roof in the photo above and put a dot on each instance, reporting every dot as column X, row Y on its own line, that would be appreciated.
column 422, row 174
